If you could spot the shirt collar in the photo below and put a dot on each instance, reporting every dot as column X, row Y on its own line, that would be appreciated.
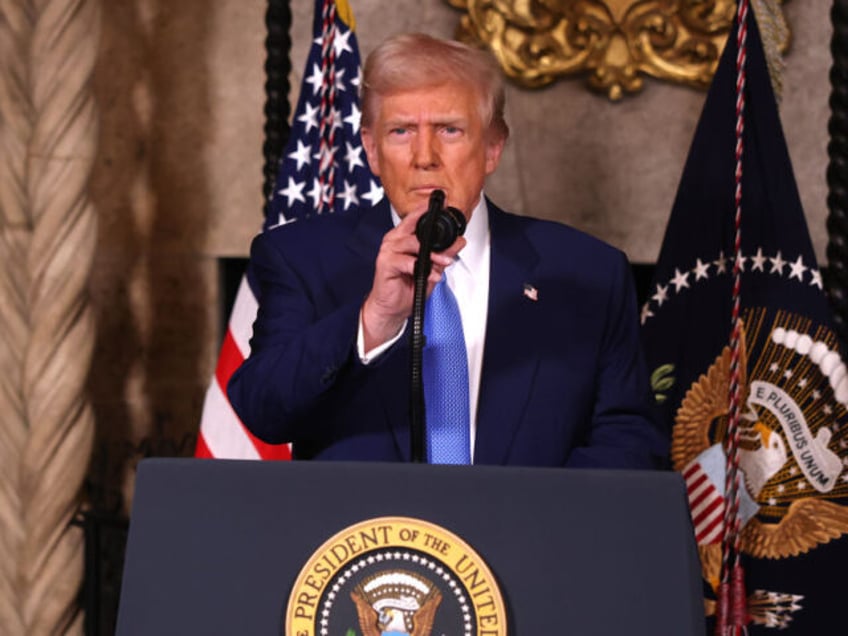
column 477, row 235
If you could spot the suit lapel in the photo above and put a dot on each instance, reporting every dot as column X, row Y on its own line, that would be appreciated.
column 508, row 371
column 371, row 225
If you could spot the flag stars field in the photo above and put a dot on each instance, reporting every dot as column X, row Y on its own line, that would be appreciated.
column 315, row 79
column 317, row 193
column 354, row 119
column 339, row 83
column 293, row 192
column 301, row 155
column 344, row 154
column 349, row 195
column 310, row 117
column 341, row 43
column 353, row 156
column 374, row 194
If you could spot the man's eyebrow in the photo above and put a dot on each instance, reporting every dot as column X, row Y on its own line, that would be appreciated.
column 438, row 120
column 450, row 119
column 405, row 122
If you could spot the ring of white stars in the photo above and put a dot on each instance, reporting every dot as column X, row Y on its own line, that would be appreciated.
column 775, row 265
column 394, row 557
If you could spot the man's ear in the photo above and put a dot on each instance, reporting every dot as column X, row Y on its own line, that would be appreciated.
column 370, row 146
column 494, row 149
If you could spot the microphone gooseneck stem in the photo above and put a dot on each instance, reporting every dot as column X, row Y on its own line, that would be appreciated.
column 423, row 265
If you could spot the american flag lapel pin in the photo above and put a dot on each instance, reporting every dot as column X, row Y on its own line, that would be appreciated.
column 531, row 292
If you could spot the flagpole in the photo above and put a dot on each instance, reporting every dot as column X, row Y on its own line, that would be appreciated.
column 278, row 19
column 837, row 172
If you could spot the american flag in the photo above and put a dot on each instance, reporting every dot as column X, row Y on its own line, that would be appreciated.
column 322, row 170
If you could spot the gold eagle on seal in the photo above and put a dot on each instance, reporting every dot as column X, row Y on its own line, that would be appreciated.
column 396, row 602
column 791, row 517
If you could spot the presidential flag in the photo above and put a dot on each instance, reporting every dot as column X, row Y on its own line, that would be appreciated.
column 792, row 444
column 322, row 170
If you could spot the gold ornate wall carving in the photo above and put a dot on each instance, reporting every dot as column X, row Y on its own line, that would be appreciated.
column 617, row 42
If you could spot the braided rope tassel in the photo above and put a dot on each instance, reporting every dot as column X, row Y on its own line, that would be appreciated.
column 731, row 615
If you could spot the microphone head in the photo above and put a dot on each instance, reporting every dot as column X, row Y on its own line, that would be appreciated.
column 437, row 200
column 448, row 225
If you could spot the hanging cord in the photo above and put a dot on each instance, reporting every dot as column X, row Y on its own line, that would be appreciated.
column 731, row 616
column 327, row 116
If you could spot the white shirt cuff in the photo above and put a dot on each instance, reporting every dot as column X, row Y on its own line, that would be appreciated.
column 366, row 357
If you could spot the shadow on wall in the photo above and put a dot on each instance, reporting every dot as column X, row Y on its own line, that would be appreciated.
column 149, row 286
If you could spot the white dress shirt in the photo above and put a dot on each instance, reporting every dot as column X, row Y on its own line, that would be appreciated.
column 468, row 279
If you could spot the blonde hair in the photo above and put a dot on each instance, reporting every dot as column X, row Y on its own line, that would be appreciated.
column 415, row 60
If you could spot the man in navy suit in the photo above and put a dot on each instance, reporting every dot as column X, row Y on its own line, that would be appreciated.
column 556, row 374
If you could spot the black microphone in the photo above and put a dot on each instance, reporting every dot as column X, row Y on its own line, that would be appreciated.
column 440, row 226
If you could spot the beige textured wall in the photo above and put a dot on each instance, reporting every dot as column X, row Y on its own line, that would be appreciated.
column 612, row 169
column 178, row 179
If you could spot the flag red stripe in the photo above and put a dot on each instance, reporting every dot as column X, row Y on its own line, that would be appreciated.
column 229, row 360
column 202, row 450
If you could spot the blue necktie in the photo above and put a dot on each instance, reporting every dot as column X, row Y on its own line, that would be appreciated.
column 445, row 374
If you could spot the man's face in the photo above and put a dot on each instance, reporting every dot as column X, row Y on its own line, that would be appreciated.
column 427, row 139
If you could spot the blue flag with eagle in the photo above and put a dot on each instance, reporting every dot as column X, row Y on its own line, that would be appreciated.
column 793, row 453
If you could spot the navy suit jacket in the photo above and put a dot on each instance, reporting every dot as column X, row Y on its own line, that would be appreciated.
column 563, row 381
